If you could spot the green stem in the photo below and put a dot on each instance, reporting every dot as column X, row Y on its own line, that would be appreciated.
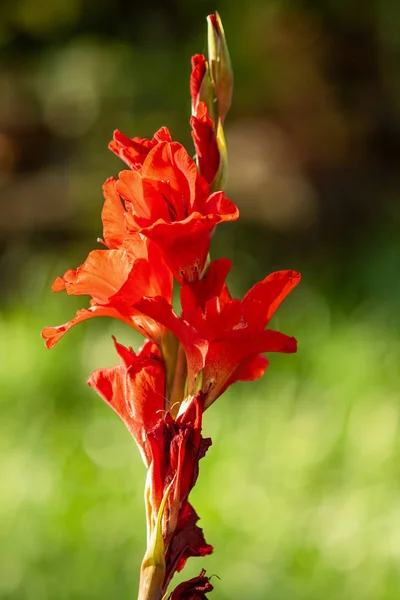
column 152, row 572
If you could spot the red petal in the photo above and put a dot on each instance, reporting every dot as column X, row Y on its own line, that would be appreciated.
column 176, row 448
column 151, row 277
column 162, row 312
column 188, row 447
column 101, row 275
column 188, row 541
column 60, row 282
column 194, row 589
column 219, row 204
column 226, row 357
column 147, row 350
column 168, row 202
column 184, row 244
column 194, row 296
column 135, row 390
column 205, row 143
column 222, row 320
column 134, row 151
column 113, row 216
column 261, row 302
column 172, row 164
column 162, row 135
column 53, row 334
column 199, row 68
column 116, row 280
column 250, row 370
column 130, row 187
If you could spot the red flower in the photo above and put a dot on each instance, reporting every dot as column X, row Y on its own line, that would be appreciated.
column 223, row 337
column 115, row 280
column 199, row 70
column 133, row 151
column 168, row 202
column 158, row 218
column 135, row 390
column 205, row 143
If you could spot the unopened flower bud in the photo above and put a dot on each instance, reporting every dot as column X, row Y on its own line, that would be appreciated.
column 220, row 64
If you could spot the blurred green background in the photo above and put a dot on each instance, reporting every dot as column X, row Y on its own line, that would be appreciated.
column 300, row 492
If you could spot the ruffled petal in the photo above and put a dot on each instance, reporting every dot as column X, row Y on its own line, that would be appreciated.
column 101, row 275
column 168, row 202
column 172, row 165
column 133, row 151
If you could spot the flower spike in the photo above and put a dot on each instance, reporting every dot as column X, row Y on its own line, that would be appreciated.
column 158, row 218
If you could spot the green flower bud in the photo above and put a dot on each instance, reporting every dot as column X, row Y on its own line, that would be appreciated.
column 220, row 64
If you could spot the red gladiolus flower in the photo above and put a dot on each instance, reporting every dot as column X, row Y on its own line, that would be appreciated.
column 205, row 143
column 223, row 337
column 135, row 391
column 133, row 151
column 168, row 201
column 116, row 278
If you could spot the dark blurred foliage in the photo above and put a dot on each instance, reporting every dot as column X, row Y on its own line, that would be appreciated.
column 313, row 131
column 299, row 492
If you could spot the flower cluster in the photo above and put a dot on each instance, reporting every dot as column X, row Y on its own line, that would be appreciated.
column 158, row 217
